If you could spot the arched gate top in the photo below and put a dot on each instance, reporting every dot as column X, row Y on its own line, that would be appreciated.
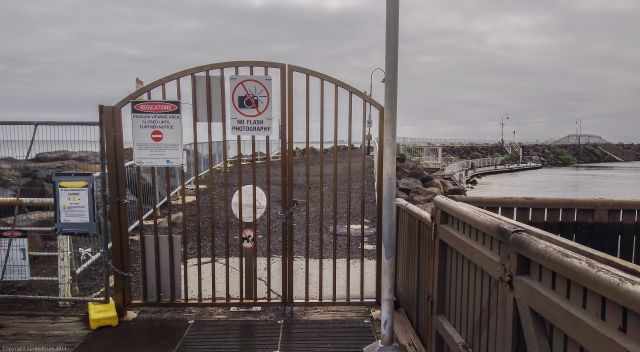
column 232, row 64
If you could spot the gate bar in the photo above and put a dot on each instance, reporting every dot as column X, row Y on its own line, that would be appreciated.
column 196, row 182
column 183, row 192
column 240, row 184
column 321, row 260
column 307, row 199
column 289, row 168
column 167, row 174
column 211, row 186
column 268, row 210
column 348, row 265
column 225, row 183
column 335, row 186
column 364, row 146
column 253, row 252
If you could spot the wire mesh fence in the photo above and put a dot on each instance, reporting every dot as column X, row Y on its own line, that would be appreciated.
column 36, row 261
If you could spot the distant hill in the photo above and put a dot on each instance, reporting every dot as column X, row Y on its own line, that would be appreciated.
column 582, row 139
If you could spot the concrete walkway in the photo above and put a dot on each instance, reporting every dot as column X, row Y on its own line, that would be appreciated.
column 276, row 281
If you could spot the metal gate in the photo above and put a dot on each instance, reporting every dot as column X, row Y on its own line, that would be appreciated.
column 175, row 239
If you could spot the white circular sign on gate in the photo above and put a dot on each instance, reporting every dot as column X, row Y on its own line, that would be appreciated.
column 247, row 203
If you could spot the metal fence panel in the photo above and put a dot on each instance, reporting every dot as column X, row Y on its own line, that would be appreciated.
column 39, row 263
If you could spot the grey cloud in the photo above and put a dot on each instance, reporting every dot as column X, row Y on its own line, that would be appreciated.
column 462, row 64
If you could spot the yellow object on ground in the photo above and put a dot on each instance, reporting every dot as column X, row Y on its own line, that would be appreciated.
column 102, row 314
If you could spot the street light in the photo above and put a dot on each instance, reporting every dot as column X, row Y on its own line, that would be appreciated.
column 369, row 121
column 389, row 143
column 506, row 117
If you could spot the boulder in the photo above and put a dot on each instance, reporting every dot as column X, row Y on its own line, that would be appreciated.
column 446, row 185
column 456, row 191
column 62, row 155
column 402, row 195
column 435, row 183
column 410, row 168
column 426, row 180
column 423, row 195
column 408, row 184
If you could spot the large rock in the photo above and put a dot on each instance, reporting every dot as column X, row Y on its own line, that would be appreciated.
column 456, row 191
column 408, row 184
column 410, row 168
column 63, row 155
column 435, row 183
column 424, row 195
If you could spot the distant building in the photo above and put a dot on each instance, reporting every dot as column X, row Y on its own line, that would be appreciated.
column 581, row 139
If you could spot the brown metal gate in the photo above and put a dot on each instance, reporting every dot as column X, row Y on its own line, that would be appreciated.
column 175, row 239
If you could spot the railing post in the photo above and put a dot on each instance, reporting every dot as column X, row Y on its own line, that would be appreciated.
column 112, row 124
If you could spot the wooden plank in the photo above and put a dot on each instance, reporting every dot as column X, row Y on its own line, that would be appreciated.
column 450, row 335
column 464, row 300
column 557, row 340
column 477, row 311
column 507, row 212
column 533, row 327
column 584, row 228
column 483, row 325
column 522, row 215
column 493, row 315
column 576, row 323
column 567, row 226
column 455, row 266
column 553, row 220
column 628, row 234
column 405, row 333
column 48, row 330
column 488, row 261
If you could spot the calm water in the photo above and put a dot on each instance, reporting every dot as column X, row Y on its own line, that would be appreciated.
column 608, row 180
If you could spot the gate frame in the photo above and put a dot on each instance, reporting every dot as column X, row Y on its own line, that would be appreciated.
column 118, row 203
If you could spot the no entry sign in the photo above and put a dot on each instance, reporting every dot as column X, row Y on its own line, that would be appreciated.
column 251, row 102
column 157, row 132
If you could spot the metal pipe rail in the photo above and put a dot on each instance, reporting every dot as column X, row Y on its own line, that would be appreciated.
column 26, row 202
column 484, row 282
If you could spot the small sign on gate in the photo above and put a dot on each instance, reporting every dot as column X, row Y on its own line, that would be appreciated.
column 75, row 208
column 157, row 132
column 251, row 102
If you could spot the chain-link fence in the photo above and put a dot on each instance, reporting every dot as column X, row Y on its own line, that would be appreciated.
column 36, row 262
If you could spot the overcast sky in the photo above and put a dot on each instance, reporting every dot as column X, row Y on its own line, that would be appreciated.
column 463, row 63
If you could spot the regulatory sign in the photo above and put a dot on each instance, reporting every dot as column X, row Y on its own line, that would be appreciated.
column 251, row 102
column 247, row 203
column 157, row 132
column 75, row 203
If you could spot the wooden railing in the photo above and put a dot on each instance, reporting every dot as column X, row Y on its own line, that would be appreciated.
column 609, row 226
column 474, row 281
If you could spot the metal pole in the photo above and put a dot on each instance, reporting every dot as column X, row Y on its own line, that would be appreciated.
column 389, row 182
